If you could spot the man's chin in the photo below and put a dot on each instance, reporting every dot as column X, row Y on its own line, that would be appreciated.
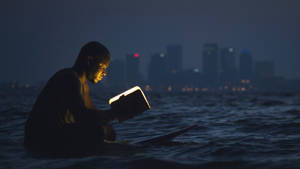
column 96, row 81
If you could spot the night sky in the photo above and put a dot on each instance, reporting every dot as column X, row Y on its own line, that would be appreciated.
column 39, row 37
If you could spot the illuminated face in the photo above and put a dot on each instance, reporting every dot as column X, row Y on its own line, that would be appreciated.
column 98, row 71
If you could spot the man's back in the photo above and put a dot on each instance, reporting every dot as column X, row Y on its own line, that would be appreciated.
column 59, row 121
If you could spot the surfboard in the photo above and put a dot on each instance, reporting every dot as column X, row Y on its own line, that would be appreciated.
column 166, row 138
column 125, row 147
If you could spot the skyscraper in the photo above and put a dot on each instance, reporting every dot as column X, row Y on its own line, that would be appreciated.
column 133, row 75
column 157, row 71
column 174, row 58
column 246, row 65
column 228, row 65
column 210, row 62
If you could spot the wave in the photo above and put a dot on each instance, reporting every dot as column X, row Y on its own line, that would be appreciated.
column 273, row 103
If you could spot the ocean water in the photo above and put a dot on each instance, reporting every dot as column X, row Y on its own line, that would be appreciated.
column 243, row 130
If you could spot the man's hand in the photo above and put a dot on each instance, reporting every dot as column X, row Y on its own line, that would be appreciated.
column 109, row 132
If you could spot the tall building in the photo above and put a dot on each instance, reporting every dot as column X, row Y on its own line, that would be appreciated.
column 246, row 65
column 157, row 72
column 228, row 65
column 210, row 63
column 116, row 73
column 133, row 75
column 174, row 58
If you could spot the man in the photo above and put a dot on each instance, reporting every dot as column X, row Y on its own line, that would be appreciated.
column 64, row 121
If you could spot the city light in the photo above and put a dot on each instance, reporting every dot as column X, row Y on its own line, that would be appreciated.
column 148, row 88
column 27, row 85
column 204, row 89
column 169, row 88
column 188, row 89
column 136, row 55
column 245, row 81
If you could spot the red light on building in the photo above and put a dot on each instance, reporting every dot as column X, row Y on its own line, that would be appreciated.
column 136, row 55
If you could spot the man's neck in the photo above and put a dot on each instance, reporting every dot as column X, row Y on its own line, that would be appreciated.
column 83, row 78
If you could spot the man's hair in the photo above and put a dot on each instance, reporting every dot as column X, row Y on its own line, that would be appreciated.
column 94, row 49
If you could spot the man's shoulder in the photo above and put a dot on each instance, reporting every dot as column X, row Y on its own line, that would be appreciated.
column 65, row 76
column 67, row 73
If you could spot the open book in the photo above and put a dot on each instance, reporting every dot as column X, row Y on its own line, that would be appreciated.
column 132, row 101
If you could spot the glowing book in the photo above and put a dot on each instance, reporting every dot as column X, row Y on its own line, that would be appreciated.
column 132, row 102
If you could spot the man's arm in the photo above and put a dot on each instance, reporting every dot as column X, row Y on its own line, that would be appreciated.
column 104, row 116
column 76, row 104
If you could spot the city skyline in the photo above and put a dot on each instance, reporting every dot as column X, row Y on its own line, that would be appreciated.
column 39, row 38
column 144, row 60
column 221, row 71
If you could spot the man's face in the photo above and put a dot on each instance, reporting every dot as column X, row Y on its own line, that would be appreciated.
column 98, row 71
